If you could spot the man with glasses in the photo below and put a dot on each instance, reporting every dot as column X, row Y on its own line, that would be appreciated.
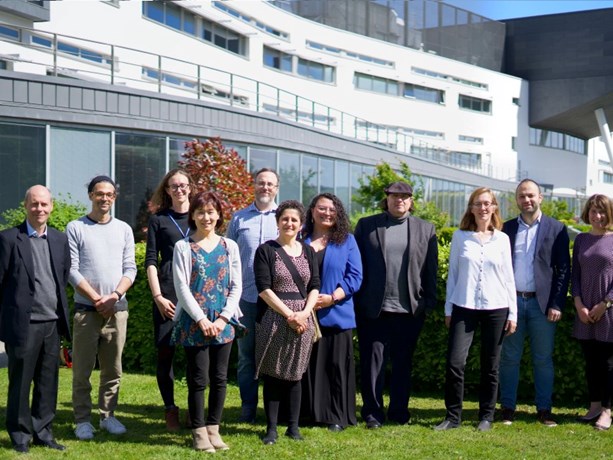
column 251, row 227
column 400, row 260
column 541, row 265
column 103, row 268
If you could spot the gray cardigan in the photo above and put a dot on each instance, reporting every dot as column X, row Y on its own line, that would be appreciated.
column 181, row 272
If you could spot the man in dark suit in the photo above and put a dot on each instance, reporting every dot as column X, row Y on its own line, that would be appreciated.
column 34, row 268
column 400, row 260
column 541, row 265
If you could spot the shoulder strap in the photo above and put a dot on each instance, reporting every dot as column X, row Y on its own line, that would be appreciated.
column 292, row 269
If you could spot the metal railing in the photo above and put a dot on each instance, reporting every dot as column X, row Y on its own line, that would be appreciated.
column 37, row 51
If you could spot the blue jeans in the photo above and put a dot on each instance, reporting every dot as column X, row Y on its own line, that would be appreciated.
column 247, row 383
column 532, row 322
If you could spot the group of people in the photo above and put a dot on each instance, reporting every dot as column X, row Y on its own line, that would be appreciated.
column 290, row 285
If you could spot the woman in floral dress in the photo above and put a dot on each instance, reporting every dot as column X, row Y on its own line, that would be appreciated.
column 284, row 328
column 207, row 279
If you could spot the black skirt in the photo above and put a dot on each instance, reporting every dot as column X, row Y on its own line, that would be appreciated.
column 328, row 385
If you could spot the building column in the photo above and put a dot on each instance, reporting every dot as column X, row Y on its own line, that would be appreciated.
column 605, row 132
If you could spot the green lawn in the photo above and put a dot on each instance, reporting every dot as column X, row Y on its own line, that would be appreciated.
column 147, row 439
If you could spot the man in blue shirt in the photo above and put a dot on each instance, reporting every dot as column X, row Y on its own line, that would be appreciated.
column 541, row 265
column 251, row 227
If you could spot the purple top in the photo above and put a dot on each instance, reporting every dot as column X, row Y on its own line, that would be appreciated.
column 592, row 280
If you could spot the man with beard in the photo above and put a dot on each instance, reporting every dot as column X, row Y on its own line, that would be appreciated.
column 541, row 265
column 251, row 227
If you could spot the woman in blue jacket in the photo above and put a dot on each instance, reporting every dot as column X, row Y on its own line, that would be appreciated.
column 329, row 386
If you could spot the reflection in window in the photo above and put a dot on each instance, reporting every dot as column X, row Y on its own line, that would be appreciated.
column 310, row 178
column 341, row 176
column 555, row 140
column 140, row 163
column 326, row 177
column 475, row 104
column 22, row 155
column 262, row 158
column 289, row 172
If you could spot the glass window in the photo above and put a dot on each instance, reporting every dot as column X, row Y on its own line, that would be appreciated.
column 607, row 178
column 262, row 158
column 356, row 173
column 176, row 148
column 289, row 172
column 69, row 162
column 475, row 104
column 154, row 10
column 310, row 176
column 341, row 181
column 22, row 155
column 326, row 175
column 173, row 16
column 9, row 32
column 424, row 93
column 140, row 163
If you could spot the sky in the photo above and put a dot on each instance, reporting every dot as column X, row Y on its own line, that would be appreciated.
column 507, row 9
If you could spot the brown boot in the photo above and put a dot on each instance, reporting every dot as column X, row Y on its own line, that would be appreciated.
column 201, row 440
column 216, row 441
column 172, row 419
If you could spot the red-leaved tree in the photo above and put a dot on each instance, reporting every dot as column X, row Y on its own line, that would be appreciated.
column 221, row 170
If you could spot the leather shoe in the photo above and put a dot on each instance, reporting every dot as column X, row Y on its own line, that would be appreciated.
column 294, row 433
column 21, row 448
column 446, row 425
column 373, row 425
column 484, row 425
column 586, row 419
column 49, row 444
column 334, row 428
column 270, row 438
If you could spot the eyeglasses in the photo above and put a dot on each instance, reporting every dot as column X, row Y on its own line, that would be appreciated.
column 403, row 196
column 266, row 184
column 483, row 204
column 109, row 195
column 175, row 187
column 323, row 209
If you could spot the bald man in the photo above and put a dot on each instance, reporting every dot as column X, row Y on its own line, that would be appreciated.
column 34, row 269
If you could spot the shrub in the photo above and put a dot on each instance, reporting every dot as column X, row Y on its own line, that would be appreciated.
column 63, row 212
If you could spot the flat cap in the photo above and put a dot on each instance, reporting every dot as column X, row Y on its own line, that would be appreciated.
column 399, row 187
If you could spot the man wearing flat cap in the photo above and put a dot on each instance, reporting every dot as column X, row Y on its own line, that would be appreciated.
column 103, row 268
column 400, row 260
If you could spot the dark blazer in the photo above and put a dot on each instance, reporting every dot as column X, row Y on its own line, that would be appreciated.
column 17, row 282
column 423, row 264
column 551, row 261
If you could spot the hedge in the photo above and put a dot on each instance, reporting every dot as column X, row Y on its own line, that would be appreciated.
column 429, row 360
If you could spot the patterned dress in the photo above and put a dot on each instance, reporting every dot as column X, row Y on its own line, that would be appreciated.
column 209, row 283
column 280, row 351
column 592, row 280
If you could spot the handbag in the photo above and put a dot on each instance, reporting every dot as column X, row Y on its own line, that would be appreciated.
column 300, row 285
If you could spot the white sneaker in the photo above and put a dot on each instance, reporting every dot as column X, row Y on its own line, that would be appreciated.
column 112, row 425
column 84, row 431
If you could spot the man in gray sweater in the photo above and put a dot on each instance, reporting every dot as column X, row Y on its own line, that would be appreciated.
column 102, row 269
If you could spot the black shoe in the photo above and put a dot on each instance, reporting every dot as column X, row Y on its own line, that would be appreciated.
column 294, row 433
column 271, row 437
column 334, row 428
column 544, row 417
column 446, row 425
column 373, row 425
column 49, row 444
column 508, row 415
column 586, row 419
column 21, row 448
column 484, row 425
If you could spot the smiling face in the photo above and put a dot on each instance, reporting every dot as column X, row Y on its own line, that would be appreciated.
column 38, row 206
column 289, row 223
column 398, row 204
column 598, row 218
column 528, row 199
column 482, row 208
column 266, row 188
column 324, row 214
column 178, row 189
column 206, row 219
column 102, row 196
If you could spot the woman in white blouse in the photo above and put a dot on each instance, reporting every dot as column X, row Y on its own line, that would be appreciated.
column 480, row 293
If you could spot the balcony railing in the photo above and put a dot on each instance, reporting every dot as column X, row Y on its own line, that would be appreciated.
column 36, row 51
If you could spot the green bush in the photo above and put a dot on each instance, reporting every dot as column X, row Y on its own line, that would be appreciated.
column 63, row 212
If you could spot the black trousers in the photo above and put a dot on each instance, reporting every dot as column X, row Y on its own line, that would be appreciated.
column 464, row 322
column 277, row 392
column 599, row 370
column 393, row 334
column 212, row 360
column 35, row 362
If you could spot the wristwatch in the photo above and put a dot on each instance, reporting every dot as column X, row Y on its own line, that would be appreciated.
column 608, row 304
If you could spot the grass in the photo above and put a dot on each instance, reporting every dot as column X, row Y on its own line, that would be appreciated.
column 139, row 409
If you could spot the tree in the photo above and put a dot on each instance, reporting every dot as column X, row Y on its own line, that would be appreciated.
column 372, row 191
column 221, row 170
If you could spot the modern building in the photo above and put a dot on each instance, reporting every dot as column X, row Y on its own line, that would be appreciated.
column 321, row 90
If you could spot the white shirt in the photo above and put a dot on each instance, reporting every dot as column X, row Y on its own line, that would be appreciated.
column 523, row 255
column 481, row 274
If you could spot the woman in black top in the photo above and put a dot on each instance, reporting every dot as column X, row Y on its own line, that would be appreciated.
column 166, row 227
